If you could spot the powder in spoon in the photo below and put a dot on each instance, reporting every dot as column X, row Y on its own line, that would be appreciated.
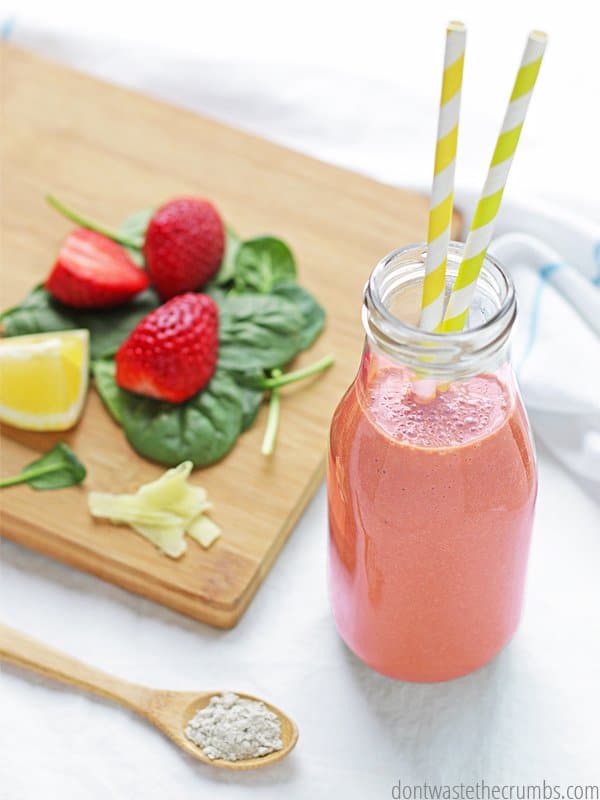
column 233, row 728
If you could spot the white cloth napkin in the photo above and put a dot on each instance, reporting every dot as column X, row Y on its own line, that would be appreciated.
column 556, row 347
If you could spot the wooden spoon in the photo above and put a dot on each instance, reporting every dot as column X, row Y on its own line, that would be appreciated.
column 168, row 711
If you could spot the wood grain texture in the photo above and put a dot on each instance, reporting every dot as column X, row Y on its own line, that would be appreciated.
column 108, row 152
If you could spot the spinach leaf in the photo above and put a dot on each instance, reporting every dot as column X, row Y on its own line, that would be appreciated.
column 202, row 430
column 134, row 227
column 262, row 263
column 258, row 332
column 226, row 271
column 251, row 395
column 58, row 468
column 251, row 402
column 218, row 293
column 104, row 376
column 313, row 313
column 108, row 327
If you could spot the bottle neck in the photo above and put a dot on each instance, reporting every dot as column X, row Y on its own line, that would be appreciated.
column 391, row 311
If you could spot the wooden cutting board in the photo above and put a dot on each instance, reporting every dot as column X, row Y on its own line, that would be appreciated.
column 108, row 152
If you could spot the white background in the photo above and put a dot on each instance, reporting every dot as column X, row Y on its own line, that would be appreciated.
column 356, row 84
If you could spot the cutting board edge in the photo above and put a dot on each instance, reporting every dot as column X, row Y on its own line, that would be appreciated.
column 221, row 615
column 63, row 552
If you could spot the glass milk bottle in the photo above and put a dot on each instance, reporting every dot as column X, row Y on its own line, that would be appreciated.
column 431, row 493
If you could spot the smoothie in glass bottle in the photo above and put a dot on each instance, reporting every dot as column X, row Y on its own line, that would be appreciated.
column 431, row 499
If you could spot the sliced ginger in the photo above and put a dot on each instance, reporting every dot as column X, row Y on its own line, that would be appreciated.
column 163, row 511
column 204, row 530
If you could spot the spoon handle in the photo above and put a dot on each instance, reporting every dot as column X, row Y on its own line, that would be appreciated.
column 16, row 648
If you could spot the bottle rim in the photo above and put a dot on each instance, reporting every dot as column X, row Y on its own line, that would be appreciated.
column 464, row 351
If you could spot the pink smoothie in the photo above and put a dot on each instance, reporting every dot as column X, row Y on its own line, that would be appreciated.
column 430, row 514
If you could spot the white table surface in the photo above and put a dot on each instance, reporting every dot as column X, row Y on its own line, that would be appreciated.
column 530, row 715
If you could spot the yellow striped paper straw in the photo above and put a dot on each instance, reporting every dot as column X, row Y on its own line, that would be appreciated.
column 482, row 226
column 442, row 190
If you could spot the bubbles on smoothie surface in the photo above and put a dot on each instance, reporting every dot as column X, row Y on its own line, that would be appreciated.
column 465, row 411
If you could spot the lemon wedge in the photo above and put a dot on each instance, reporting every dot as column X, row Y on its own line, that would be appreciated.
column 43, row 379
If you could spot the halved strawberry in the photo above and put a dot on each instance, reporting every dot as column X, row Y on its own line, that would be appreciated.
column 92, row 271
column 172, row 353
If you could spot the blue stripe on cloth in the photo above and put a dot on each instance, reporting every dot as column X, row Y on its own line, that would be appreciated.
column 6, row 27
column 596, row 280
column 544, row 273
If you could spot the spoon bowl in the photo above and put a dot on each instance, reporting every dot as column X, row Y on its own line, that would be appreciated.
column 169, row 711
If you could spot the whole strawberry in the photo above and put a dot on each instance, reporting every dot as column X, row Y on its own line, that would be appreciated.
column 172, row 353
column 92, row 271
column 184, row 245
